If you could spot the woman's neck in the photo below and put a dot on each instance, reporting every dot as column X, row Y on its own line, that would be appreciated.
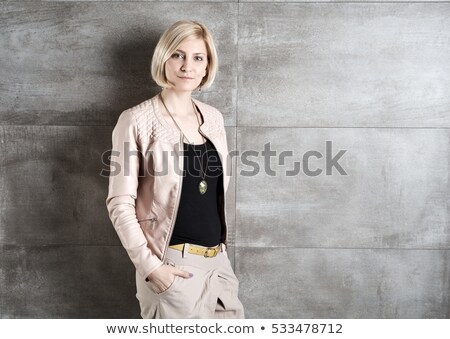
column 179, row 103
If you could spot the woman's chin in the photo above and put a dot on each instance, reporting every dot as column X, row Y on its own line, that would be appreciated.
column 184, row 86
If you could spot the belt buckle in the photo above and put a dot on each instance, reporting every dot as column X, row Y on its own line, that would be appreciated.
column 206, row 255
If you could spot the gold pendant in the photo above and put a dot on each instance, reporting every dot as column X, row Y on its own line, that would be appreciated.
column 202, row 187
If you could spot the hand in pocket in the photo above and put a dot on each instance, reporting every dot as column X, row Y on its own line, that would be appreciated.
column 163, row 277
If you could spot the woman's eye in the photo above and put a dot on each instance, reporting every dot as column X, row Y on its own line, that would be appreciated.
column 199, row 58
column 177, row 56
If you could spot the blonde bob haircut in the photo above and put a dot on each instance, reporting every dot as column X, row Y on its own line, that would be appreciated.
column 168, row 44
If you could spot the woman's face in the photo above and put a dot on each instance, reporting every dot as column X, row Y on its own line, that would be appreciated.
column 186, row 67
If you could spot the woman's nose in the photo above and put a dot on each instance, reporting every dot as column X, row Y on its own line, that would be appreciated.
column 186, row 67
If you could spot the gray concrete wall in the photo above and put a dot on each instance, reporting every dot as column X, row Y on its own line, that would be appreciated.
column 372, row 79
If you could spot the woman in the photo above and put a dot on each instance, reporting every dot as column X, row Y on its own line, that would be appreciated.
column 166, row 197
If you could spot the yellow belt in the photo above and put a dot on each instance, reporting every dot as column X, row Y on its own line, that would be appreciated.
column 207, row 252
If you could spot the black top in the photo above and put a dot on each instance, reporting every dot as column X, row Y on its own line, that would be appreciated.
column 198, row 220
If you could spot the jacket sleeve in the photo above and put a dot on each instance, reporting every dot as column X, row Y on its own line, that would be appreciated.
column 122, row 193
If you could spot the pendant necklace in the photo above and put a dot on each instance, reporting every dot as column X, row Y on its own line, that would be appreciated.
column 203, row 185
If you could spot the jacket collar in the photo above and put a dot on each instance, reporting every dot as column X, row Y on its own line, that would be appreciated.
column 208, row 118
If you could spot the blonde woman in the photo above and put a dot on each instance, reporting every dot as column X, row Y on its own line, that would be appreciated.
column 167, row 192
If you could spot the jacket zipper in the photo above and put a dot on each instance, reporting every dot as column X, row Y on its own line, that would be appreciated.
column 177, row 202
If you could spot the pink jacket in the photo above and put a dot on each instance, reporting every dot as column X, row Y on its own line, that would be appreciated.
column 145, row 180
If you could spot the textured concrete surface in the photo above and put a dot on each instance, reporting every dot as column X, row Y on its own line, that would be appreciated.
column 344, row 65
column 394, row 193
column 371, row 78
column 66, row 282
column 52, row 191
column 344, row 283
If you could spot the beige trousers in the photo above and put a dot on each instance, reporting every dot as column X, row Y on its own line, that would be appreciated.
column 212, row 292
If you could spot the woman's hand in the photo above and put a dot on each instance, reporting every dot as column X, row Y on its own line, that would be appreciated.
column 164, row 276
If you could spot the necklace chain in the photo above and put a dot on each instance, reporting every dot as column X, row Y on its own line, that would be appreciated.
column 203, row 185
column 175, row 122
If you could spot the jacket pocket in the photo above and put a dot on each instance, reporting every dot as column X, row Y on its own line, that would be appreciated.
column 148, row 223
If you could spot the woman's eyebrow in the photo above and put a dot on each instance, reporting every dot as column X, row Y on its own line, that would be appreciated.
column 197, row 53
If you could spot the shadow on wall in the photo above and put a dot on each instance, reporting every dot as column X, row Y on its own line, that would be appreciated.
column 130, row 69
